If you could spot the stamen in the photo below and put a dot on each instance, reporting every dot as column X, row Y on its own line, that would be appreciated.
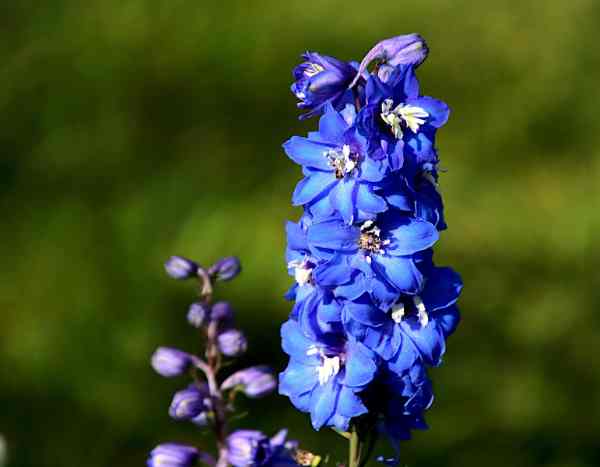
column 313, row 69
column 422, row 315
column 398, row 312
column 370, row 238
column 329, row 368
column 343, row 162
column 302, row 271
column 403, row 115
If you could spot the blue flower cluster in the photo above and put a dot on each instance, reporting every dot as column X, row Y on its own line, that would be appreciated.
column 372, row 312
column 206, row 402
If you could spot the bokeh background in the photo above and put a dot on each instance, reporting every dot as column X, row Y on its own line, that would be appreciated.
column 131, row 130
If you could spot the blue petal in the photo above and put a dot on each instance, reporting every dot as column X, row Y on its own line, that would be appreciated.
column 411, row 236
column 343, row 198
column 308, row 153
column 447, row 320
column 340, row 422
column 322, row 403
column 334, row 235
column 296, row 237
column 429, row 340
column 438, row 111
column 371, row 170
column 360, row 365
column 384, row 340
column 320, row 208
column 405, row 358
column 353, row 289
column 349, row 404
column 312, row 186
column 332, row 126
column 297, row 379
column 368, row 201
column 296, row 344
column 442, row 289
column 401, row 272
column 333, row 272
column 411, row 83
column 365, row 312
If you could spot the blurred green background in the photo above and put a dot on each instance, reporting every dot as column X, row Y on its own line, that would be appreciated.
column 131, row 130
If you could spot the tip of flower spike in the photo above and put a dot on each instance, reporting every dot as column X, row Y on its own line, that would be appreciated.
column 408, row 49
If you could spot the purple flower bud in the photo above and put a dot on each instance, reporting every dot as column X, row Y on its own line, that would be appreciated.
column 226, row 269
column 409, row 49
column 232, row 342
column 170, row 362
column 248, row 447
column 189, row 402
column 321, row 80
column 221, row 311
column 197, row 314
column 180, row 268
column 173, row 455
column 255, row 382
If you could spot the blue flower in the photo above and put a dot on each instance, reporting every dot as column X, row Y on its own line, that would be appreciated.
column 321, row 80
column 324, row 377
column 375, row 257
column 406, row 398
column 340, row 177
column 246, row 448
column 315, row 309
column 415, row 328
column 399, row 120
column 416, row 194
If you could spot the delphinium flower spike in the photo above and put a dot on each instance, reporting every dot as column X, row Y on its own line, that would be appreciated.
column 206, row 402
column 372, row 312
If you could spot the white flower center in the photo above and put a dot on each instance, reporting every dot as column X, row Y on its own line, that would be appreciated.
column 330, row 366
column 302, row 272
column 409, row 115
column 399, row 313
column 343, row 162
column 313, row 69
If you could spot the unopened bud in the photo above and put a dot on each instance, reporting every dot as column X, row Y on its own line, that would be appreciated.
column 232, row 343
column 170, row 362
column 181, row 268
column 226, row 269
column 255, row 382
column 197, row 314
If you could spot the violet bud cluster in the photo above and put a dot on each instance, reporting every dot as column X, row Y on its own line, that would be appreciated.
column 203, row 401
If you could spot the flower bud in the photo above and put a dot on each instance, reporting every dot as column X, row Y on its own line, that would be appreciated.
column 173, row 455
column 170, row 362
column 248, row 447
column 221, row 311
column 255, row 382
column 232, row 343
column 226, row 269
column 181, row 268
column 409, row 49
column 197, row 314
column 189, row 403
column 320, row 80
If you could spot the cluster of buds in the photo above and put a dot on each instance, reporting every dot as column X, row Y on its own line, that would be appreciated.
column 208, row 400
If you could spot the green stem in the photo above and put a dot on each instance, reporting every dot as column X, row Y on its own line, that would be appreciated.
column 354, row 448
column 370, row 448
